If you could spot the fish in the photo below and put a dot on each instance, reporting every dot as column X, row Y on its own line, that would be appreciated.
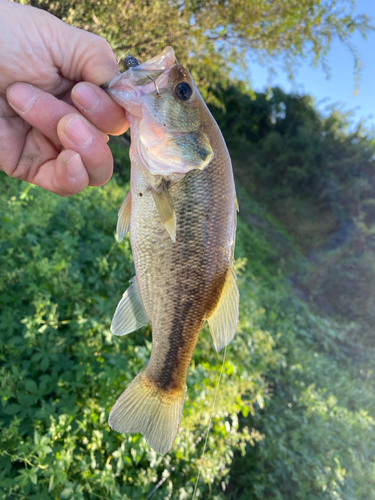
column 180, row 213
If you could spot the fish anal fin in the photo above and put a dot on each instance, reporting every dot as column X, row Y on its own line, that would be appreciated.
column 223, row 320
column 123, row 222
column 130, row 313
column 145, row 408
column 164, row 204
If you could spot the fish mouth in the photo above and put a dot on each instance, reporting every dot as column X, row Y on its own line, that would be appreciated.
column 146, row 75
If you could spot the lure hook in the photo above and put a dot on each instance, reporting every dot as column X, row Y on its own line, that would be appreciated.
column 156, row 85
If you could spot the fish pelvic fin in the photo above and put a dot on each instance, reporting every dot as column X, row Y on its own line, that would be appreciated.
column 223, row 320
column 164, row 205
column 123, row 222
column 130, row 313
column 156, row 413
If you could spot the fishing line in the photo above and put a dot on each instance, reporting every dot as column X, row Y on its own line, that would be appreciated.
column 209, row 424
column 169, row 473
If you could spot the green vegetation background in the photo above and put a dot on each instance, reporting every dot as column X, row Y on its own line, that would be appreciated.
column 296, row 409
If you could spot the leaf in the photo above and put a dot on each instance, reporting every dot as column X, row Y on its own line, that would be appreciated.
column 13, row 409
column 67, row 492
column 45, row 363
column 31, row 386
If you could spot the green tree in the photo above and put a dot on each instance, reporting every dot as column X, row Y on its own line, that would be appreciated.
column 210, row 36
column 318, row 179
column 283, row 149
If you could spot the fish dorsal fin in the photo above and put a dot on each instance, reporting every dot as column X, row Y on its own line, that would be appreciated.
column 164, row 204
column 130, row 313
column 123, row 223
column 223, row 320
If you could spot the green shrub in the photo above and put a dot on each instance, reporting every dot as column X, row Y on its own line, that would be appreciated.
column 62, row 274
column 294, row 416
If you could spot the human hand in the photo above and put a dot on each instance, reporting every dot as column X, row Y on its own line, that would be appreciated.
column 44, row 139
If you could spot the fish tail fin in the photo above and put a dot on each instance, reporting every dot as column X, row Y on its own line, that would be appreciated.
column 156, row 413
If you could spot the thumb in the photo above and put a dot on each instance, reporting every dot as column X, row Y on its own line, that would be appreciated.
column 83, row 56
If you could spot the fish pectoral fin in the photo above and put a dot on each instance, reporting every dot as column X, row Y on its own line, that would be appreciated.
column 130, row 313
column 223, row 320
column 123, row 223
column 145, row 408
column 164, row 204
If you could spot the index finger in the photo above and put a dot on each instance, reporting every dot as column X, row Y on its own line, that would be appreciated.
column 95, row 104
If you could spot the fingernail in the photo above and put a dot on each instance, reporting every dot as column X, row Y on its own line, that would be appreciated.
column 78, row 131
column 86, row 97
column 21, row 96
column 74, row 167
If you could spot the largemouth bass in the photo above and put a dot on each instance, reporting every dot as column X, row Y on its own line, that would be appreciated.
column 181, row 214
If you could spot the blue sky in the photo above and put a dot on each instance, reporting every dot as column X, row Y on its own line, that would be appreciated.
column 339, row 88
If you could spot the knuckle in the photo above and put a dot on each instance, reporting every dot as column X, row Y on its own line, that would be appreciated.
column 103, row 44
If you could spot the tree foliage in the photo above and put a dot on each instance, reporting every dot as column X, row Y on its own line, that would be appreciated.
column 212, row 35
column 282, row 147
column 318, row 179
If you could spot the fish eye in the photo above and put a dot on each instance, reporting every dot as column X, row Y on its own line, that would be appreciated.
column 183, row 91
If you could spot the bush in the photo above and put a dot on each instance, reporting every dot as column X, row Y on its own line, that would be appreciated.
column 295, row 413
column 62, row 274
